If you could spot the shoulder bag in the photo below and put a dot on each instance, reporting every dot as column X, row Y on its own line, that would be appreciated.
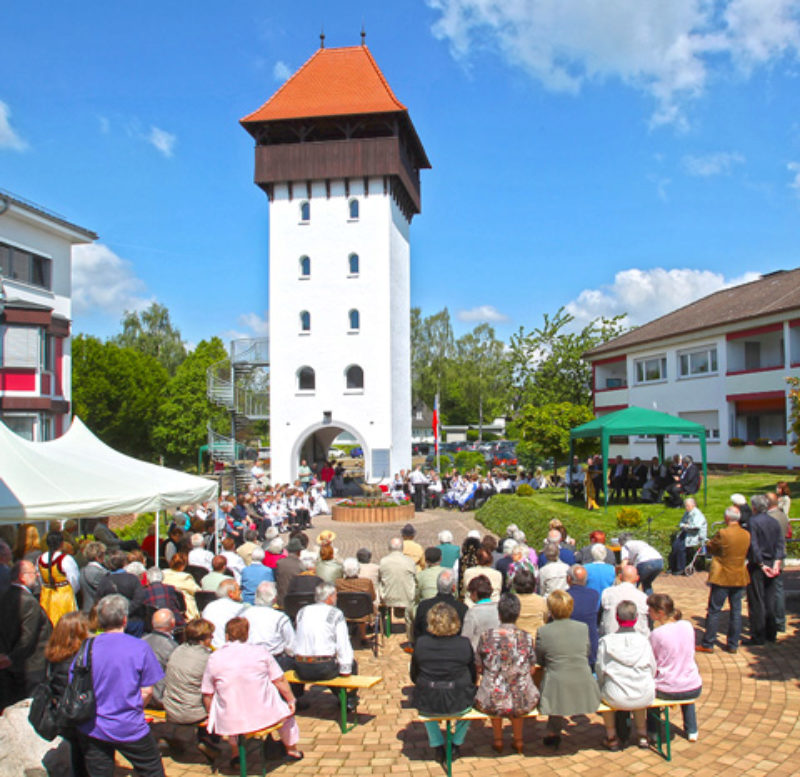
column 42, row 714
column 78, row 704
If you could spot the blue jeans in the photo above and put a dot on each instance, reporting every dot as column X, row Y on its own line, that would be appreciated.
column 436, row 738
column 716, row 601
column 688, row 711
column 648, row 572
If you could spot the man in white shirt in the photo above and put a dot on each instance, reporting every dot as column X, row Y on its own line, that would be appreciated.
column 624, row 590
column 419, row 484
column 198, row 555
column 235, row 561
column 227, row 605
column 322, row 642
column 270, row 627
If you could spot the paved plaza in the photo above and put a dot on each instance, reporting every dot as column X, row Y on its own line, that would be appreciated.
column 748, row 713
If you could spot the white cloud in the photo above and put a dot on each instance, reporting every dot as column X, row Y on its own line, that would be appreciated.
column 664, row 48
column 8, row 136
column 254, row 326
column 482, row 313
column 794, row 169
column 281, row 71
column 719, row 163
column 647, row 294
column 162, row 140
column 104, row 282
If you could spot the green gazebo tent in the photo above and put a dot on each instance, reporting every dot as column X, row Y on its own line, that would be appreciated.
column 639, row 420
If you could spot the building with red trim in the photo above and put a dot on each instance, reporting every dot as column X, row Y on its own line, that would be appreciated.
column 36, row 317
column 721, row 361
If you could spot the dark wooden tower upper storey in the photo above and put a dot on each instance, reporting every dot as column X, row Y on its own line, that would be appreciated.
column 337, row 118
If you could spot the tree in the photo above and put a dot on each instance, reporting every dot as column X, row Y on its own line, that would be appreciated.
column 151, row 332
column 116, row 392
column 544, row 430
column 794, row 415
column 431, row 351
column 546, row 365
column 184, row 412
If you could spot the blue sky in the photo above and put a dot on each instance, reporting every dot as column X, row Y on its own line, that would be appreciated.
column 624, row 156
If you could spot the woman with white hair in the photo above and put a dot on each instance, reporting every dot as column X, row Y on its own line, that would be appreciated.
column 450, row 551
column 351, row 582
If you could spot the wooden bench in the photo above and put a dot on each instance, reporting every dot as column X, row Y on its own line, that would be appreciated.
column 241, row 741
column 660, row 706
column 354, row 682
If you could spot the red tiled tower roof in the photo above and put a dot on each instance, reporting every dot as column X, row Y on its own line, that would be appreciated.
column 333, row 82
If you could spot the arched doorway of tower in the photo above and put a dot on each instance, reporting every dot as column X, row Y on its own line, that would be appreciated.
column 314, row 443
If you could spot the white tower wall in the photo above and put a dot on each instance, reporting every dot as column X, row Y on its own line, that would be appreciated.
column 379, row 416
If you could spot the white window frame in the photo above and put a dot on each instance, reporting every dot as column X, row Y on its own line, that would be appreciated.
column 688, row 353
column 662, row 360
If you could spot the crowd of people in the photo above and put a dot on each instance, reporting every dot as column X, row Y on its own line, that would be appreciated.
column 503, row 627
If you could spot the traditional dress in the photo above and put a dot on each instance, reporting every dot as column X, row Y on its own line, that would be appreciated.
column 58, row 595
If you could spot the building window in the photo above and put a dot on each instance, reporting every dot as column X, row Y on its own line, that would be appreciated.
column 700, row 362
column 353, row 206
column 21, row 347
column 305, row 211
column 650, row 370
column 355, row 377
column 305, row 321
column 305, row 267
column 708, row 418
column 306, row 379
column 355, row 320
column 353, row 264
column 23, row 425
column 48, row 353
column 20, row 265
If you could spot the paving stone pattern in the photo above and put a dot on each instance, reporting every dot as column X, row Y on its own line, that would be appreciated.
column 748, row 712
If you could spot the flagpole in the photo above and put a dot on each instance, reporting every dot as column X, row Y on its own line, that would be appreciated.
column 436, row 431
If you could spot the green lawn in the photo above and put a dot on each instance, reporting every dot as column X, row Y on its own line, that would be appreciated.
column 533, row 513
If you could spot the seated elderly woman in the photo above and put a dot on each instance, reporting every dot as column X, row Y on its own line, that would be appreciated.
column 533, row 608
column 505, row 658
column 626, row 670
column 244, row 690
column 183, row 698
column 351, row 582
column 179, row 578
column 562, row 647
column 443, row 673
column 328, row 568
column 483, row 614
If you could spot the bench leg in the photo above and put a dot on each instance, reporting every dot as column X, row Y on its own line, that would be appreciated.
column 343, row 726
column 664, row 747
column 449, row 749
column 242, row 742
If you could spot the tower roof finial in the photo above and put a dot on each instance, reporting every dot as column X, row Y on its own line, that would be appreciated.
column 363, row 35
column 322, row 37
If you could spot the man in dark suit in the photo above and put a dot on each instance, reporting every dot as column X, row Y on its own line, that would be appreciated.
column 23, row 637
column 286, row 569
column 728, row 578
column 586, row 606
column 618, row 479
column 765, row 559
column 638, row 476
column 445, row 587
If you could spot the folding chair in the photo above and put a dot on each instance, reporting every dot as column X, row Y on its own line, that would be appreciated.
column 357, row 606
column 293, row 603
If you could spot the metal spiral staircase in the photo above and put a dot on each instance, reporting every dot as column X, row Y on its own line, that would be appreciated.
column 240, row 384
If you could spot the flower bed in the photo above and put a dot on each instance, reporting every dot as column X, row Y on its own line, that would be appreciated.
column 372, row 511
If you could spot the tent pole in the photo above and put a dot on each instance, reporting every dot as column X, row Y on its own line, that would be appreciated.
column 604, row 451
column 156, row 548
column 705, row 468
column 216, row 529
column 569, row 467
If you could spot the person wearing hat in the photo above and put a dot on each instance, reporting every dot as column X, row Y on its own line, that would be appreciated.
column 411, row 548
column 288, row 568
column 326, row 537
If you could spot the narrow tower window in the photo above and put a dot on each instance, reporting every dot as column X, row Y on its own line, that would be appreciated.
column 305, row 267
column 355, row 320
column 306, row 380
column 353, row 209
column 353, row 264
column 305, row 321
column 355, row 377
column 305, row 211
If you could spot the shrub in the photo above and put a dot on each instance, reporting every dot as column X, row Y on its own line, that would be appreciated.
column 469, row 460
column 138, row 529
column 525, row 490
column 629, row 518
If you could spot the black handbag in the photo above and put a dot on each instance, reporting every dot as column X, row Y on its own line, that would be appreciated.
column 42, row 714
column 78, row 704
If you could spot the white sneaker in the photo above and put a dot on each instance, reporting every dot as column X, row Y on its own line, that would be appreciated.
column 692, row 737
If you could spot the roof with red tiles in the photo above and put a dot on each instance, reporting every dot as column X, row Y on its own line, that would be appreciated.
column 333, row 82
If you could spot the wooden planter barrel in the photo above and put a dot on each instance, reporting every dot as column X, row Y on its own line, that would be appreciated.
column 376, row 514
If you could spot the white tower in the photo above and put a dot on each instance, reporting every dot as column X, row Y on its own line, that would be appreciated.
column 339, row 159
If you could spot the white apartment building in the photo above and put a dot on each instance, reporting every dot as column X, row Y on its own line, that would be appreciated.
column 721, row 361
column 35, row 317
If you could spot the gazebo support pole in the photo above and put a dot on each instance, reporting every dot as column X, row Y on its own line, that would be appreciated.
column 604, row 451
column 569, row 468
column 157, row 522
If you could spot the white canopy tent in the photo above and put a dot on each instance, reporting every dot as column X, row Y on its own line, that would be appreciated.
column 78, row 476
